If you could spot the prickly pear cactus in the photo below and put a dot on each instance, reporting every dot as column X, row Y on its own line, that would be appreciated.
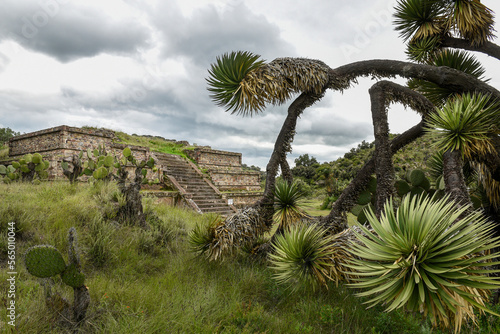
column 44, row 261
column 72, row 276
column 28, row 168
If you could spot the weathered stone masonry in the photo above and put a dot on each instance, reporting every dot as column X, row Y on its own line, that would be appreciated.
column 58, row 143
column 225, row 169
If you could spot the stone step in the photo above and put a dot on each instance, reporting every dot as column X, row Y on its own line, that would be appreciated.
column 205, row 197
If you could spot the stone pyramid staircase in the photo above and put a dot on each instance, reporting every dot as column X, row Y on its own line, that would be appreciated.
column 193, row 186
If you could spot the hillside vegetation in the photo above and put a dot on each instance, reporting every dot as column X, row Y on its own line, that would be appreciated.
column 148, row 281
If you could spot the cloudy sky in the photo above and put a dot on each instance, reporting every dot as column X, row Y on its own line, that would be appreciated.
column 140, row 67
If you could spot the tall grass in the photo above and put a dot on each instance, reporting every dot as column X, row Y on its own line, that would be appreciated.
column 154, row 143
column 164, row 288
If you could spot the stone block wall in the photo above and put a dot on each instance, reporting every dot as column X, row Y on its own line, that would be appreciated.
column 59, row 138
column 225, row 169
column 56, row 144
column 235, row 180
column 208, row 158
column 241, row 200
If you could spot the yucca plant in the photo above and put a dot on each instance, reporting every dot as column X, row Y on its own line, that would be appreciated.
column 302, row 255
column 287, row 210
column 419, row 19
column 467, row 124
column 242, row 83
column 472, row 20
column 202, row 235
column 427, row 23
column 426, row 256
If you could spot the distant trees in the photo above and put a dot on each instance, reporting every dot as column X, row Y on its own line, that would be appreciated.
column 305, row 167
column 6, row 134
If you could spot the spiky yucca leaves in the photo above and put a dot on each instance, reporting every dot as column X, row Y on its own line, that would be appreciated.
column 465, row 123
column 303, row 254
column 202, row 235
column 226, row 236
column 425, row 23
column 225, row 79
column 419, row 19
column 286, row 204
column 242, row 83
column 426, row 256
column 472, row 20
column 457, row 59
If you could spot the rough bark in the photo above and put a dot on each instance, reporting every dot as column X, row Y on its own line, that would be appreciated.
column 132, row 210
column 454, row 178
column 286, row 172
column 487, row 48
column 393, row 93
column 77, row 169
column 384, row 170
column 281, row 147
column 80, row 303
column 342, row 77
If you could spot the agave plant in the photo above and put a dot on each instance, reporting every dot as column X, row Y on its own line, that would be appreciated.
column 286, row 204
column 426, row 256
column 243, row 83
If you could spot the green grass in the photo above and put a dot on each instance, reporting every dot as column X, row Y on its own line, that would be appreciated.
column 4, row 152
column 155, row 144
column 149, row 282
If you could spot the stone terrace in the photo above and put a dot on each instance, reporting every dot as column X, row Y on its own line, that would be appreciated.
column 62, row 142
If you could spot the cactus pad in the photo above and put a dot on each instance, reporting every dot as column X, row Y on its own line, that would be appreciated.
column 402, row 187
column 417, row 177
column 372, row 185
column 37, row 158
column 72, row 276
column 364, row 198
column 44, row 261
column 127, row 152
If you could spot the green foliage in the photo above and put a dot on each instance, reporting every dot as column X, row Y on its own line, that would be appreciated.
column 287, row 210
column 72, row 276
column 46, row 261
column 466, row 123
column 6, row 134
column 426, row 255
column 225, row 80
column 176, row 291
column 30, row 168
column 202, row 235
column 302, row 255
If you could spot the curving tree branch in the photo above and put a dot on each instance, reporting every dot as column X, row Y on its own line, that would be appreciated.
column 488, row 48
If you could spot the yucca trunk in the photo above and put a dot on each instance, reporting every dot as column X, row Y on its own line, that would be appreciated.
column 383, row 156
column 281, row 147
column 454, row 178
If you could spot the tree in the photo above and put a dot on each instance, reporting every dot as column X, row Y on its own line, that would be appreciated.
column 244, row 84
column 305, row 167
column 6, row 134
column 441, row 82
